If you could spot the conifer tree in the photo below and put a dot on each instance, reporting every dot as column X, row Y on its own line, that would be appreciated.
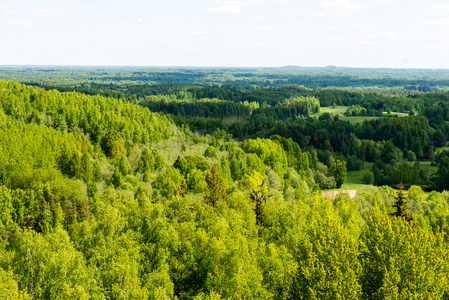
column 216, row 188
column 182, row 190
column 401, row 204
column 117, row 178
column 97, row 175
column 258, row 189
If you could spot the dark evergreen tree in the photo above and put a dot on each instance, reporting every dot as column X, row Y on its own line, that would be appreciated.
column 216, row 188
column 117, row 178
column 257, row 191
column 401, row 205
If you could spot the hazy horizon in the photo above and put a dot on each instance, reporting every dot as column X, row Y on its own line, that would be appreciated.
column 215, row 67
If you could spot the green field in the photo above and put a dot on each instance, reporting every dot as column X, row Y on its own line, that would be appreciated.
column 427, row 164
column 354, row 179
column 340, row 110
column 358, row 119
column 399, row 114
column 337, row 110
column 438, row 150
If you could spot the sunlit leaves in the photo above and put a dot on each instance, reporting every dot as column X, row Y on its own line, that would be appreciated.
column 401, row 260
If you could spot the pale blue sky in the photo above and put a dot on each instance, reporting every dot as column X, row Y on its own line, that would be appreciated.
column 354, row 33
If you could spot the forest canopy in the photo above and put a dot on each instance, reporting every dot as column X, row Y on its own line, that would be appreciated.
column 214, row 184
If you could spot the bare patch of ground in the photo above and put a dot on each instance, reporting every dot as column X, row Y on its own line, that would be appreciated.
column 333, row 194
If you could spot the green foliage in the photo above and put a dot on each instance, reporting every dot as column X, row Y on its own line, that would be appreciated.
column 296, row 158
column 368, row 178
column 323, row 177
column 159, row 160
column 9, row 288
column 401, row 205
column 401, row 260
column 237, row 163
column 441, row 177
column 270, row 152
column 196, row 181
column 48, row 266
column 258, row 189
column 93, row 114
column 117, row 178
column 355, row 110
column 303, row 105
column 122, row 165
column 168, row 181
column 216, row 188
column 27, row 146
column 254, row 162
column 90, row 207
column 337, row 169
column 328, row 267
column 189, row 163
column 97, row 175
column 411, row 156
column 112, row 144
column 279, row 269
column 210, row 152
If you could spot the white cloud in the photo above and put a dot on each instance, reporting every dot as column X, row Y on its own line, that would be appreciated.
column 22, row 23
column 48, row 13
column 235, row 6
column 259, row 17
column 359, row 28
column 263, row 28
column 76, row 1
column 197, row 33
column 384, row 37
column 436, row 42
column 363, row 35
column 102, row 16
column 233, row 43
column 340, row 8
column 224, row 10
column 438, row 22
column 9, row 10
column 441, row 7
column 388, row 2
column 192, row 50
column 249, row 2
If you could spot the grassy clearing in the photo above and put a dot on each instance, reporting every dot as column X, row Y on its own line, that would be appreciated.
column 427, row 164
column 424, row 164
column 337, row 110
column 354, row 179
column 235, row 119
column 358, row 119
column 340, row 110
column 438, row 150
column 399, row 114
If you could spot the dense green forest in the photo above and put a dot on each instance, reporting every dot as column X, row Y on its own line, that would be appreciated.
column 318, row 77
column 207, row 184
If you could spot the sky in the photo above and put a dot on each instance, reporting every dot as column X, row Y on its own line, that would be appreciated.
column 226, row 33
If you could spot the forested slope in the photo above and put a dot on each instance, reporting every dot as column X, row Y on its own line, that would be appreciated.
column 103, row 199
